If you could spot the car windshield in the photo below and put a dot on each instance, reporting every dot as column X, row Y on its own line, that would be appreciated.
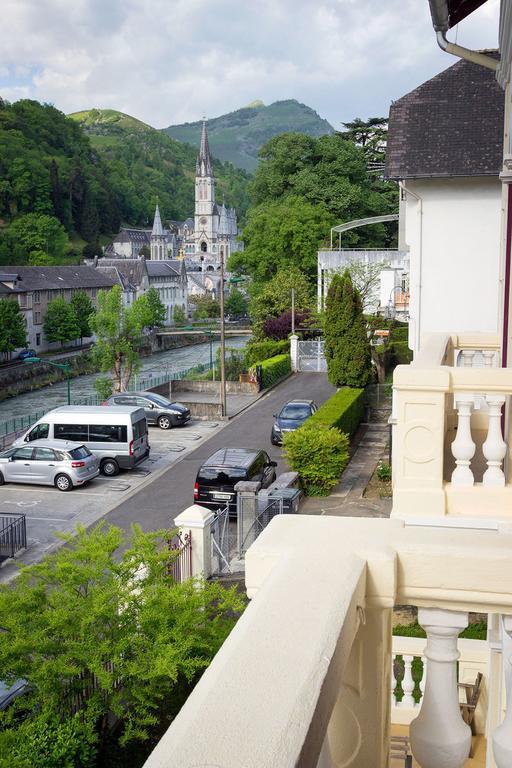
column 295, row 411
column 221, row 475
column 79, row 453
column 7, row 454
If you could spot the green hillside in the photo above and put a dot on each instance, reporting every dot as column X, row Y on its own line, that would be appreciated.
column 144, row 164
column 238, row 136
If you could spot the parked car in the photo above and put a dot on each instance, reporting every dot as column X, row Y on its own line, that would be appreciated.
column 10, row 692
column 27, row 353
column 291, row 417
column 216, row 479
column 158, row 409
column 117, row 436
column 61, row 463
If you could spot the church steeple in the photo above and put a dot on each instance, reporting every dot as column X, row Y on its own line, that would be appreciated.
column 157, row 224
column 204, row 160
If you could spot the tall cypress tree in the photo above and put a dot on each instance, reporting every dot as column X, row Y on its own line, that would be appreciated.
column 346, row 344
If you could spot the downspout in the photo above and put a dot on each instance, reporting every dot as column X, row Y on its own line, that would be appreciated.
column 403, row 189
column 465, row 53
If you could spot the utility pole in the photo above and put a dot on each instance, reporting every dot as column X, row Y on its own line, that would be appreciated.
column 293, row 310
column 222, row 341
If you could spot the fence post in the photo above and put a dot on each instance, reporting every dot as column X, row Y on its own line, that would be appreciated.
column 198, row 519
column 294, row 352
column 246, row 509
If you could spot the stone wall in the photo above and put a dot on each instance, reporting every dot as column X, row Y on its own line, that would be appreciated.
column 232, row 387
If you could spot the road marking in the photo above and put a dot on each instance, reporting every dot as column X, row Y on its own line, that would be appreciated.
column 24, row 503
column 51, row 519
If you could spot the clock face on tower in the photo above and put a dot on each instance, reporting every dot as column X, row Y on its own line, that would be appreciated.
column 203, row 220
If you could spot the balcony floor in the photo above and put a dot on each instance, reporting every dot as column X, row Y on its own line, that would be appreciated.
column 477, row 761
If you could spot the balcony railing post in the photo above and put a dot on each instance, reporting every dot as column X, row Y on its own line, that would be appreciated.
column 494, row 448
column 502, row 739
column 463, row 447
column 439, row 736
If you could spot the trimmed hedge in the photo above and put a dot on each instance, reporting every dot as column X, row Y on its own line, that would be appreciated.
column 344, row 410
column 475, row 631
column 274, row 369
column 400, row 334
column 261, row 350
column 400, row 352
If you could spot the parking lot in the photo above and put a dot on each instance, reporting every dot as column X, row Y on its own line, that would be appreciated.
column 48, row 510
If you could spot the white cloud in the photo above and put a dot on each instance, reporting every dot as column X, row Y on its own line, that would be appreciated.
column 169, row 62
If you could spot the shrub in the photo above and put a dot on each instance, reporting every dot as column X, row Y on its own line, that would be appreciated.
column 257, row 351
column 234, row 363
column 475, row 631
column 400, row 333
column 343, row 410
column 274, row 369
column 400, row 353
column 281, row 327
column 384, row 471
column 319, row 455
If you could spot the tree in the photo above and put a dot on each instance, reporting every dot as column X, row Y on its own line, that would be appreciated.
column 157, row 308
column 346, row 344
column 275, row 297
column 39, row 234
column 179, row 315
column 90, row 250
column 205, row 307
column 236, row 303
column 13, row 332
column 366, row 278
column 282, row 234
column 120, row 334
column 101, row 625
column 84, row 308
column 371, row 135
column 60, row 322
column 281, row 327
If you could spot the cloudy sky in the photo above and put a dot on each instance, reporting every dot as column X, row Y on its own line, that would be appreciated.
column 169, row 61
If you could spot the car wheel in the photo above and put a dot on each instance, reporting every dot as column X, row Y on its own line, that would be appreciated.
column 2, row 479
column 63, row 483
column 109, row 467
column 164, row 422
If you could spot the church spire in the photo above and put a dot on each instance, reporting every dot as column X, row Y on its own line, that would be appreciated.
column 204, row 160
column 157, row 224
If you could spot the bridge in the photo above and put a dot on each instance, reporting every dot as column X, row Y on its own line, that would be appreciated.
column 237, row 331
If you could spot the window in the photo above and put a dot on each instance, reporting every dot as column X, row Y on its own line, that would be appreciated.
column 75, row 432
column 37, row 318
column 44, row 454
column 39, row 432
column 80, row 453
column 141, row 402
column 37, row 297
column 22, row 453
column 38, row 339
column 124, row 400
column 140, row 429
column 107, row 433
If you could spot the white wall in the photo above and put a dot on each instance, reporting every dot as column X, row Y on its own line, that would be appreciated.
column 453, row 234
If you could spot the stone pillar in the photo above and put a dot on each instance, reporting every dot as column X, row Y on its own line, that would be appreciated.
column 463, row 447
column 494, row 448
column 197, row 519
column 294, row 352
column 246, row 513
column 502, row 739
column 439, row 736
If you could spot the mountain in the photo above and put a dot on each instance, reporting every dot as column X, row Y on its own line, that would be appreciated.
column 238, row 136
column 144, row 163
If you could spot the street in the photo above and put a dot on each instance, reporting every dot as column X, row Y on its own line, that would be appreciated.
column 157, row 505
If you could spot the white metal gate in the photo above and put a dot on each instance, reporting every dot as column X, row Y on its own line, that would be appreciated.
column 311, row 357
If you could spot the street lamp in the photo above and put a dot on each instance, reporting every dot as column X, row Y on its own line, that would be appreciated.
column 66, row 367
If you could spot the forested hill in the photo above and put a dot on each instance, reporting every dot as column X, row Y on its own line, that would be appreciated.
column 238, row 136
column 144, row 163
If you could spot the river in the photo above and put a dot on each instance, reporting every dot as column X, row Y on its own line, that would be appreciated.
column 159, row 364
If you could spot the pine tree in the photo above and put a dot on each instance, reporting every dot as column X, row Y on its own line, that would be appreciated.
column 13, row 332
column 346, row 344
column 60, row 322
column 83, row 308
column 89, row 220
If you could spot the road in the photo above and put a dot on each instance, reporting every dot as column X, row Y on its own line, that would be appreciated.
column 156, row 505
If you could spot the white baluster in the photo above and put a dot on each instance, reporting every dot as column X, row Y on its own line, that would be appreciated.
column 463, row 447
column 467, row 357
column 494, row 448
column 407, row 683
column 439, row 736
column 393, row 680
column 423, row 677
column 502, row 739
column 489, row 358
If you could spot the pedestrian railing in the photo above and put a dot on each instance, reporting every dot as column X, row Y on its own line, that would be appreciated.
column 180, row 546
column 13, row 534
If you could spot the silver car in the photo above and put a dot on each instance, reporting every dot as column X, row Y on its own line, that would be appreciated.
column 61, row 463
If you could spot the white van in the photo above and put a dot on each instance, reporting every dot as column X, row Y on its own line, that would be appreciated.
column 117, row 435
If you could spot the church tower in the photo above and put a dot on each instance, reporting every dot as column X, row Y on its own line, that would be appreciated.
column 158, row 238
column 206, row 216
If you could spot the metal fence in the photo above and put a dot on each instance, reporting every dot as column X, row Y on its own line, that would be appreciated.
column 181, row 566
column 253, row 516
column 13, row 534
column 311, row 356
column 223, row 540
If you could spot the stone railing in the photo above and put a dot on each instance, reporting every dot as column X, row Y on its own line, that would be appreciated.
column 450, row 452
column 304, row 679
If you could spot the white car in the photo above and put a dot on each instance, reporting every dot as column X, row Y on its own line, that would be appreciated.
column 60, row 463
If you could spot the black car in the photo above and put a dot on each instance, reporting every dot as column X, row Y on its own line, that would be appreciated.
column 158, row 409
column 216, row 479
column 25, row 353
column 290, row 417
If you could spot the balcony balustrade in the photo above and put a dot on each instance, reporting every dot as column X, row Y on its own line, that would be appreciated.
column 304, row 679
column 451, row 431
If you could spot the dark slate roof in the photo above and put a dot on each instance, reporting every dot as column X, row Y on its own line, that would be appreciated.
column 131, row 271
column 452, row 125
column 165, row 268
column 53, row 278
column 128, row 235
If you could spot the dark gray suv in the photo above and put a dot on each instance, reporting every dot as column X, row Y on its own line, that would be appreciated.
column 158, row 409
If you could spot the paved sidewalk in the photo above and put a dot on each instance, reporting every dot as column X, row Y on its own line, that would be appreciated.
column 347, row 499
column 234, row 403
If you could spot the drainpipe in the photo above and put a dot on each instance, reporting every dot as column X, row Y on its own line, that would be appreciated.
column 404, row 190
column 441, row 23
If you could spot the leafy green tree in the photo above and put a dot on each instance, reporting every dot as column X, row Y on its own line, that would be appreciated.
column 84, row 308
column 275, row 297
column 40, row 259
column 36, row 233
column 90, row 250
column 102, row 625
column 236, row 303
column 282, row 234
column 180, row 317
column 60, row 322
column 120, row 332
column 346, row 343
column 13, row 332
column 205, row 307
column 157, row 308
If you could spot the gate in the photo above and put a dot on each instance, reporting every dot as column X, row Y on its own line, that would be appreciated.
column 13, row 534
column 311, row 357
column 181, row 568
column 221, row 540
column 251, row 522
